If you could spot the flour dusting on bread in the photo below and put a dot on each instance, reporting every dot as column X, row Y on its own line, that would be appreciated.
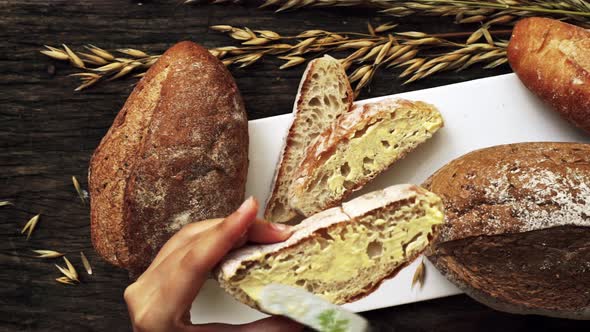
column 176, row 153
column 569, row 197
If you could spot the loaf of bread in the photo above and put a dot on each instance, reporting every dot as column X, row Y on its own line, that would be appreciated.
column 552, row 59
column 363, row 143
column 324, row 94
column 176, row 153
column 342, row 253
column 517, row 230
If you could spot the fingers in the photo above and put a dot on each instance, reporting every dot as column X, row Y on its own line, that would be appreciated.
column 180, row 239
column 262, row 231
column 203, row 253
column 166, row 290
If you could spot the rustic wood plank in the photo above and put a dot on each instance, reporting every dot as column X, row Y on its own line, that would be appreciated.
column 48, row 132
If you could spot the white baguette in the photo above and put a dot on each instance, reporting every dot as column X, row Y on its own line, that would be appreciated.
column 324, row 94
column 342, row 253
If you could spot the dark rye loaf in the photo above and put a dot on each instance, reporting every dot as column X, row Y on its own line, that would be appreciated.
column 517, row 231
column 176, row 153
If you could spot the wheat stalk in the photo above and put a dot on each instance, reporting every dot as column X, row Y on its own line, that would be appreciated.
column 488, row 11
column 418, row 53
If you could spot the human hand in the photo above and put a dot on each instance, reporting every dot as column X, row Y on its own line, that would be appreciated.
column 161, row 298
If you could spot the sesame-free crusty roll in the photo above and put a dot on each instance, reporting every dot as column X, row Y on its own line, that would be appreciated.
column 176, row 153
column 552, row 59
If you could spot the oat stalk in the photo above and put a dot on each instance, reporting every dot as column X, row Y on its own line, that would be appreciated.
column 78, row 189
column 485, row 11
column 47, row 253
column 101, row 65
column 418, row 54
column 69, row 272
column 86, row 263
column 419, row 275
column 65, row 280
column 30, row 226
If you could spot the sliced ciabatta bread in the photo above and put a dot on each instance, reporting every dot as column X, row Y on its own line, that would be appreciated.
column 362, row 144
column 342, row 253
column 324, row 94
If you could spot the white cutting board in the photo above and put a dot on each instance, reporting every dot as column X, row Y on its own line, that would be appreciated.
column 477, row 114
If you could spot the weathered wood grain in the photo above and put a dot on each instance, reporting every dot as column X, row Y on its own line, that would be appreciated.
column 48, row 132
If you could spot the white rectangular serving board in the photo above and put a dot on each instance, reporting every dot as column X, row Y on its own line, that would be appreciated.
column 477, row 114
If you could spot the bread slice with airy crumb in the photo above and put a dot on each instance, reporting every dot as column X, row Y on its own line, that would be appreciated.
column 324, row 94
column 364, row 143
column 343, row 253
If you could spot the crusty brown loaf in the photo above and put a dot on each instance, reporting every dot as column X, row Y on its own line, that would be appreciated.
column 177, row 152
column 517, row 231
column 552, row 59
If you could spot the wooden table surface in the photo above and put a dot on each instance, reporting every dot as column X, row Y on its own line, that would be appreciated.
column 48, row 132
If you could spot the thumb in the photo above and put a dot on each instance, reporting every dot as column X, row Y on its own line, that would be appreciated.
column 203, row 253
column 219, row 239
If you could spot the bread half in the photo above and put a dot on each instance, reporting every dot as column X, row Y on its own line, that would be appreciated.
column 517, row 230
column 324, row 94
column 364, row 143
column 342, row 253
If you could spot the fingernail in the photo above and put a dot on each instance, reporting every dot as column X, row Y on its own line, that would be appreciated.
column 247, row 205
column 280, row 227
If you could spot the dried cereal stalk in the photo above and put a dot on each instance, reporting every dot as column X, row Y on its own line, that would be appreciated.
column 5, row 203
column 100, row 64
column 419, row 275
column 78, row 188
column 30, row 226
column 485, row 11
column 419, row 54
column 65, row 281
column 86, row 263
column 368, row 52
column 69, row 272
column 47, row 253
